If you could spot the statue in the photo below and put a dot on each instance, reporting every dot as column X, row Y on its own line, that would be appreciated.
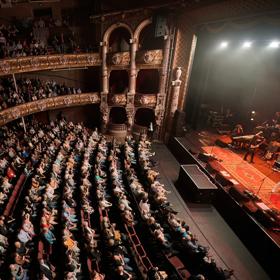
column 178, row 74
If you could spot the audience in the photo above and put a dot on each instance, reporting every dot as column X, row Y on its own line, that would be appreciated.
column 30, row 90
column 77, row 201
column 37, row 37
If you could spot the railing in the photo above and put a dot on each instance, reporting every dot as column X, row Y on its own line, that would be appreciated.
column 117, row 99
column 145, row 100
column 118, row 58
column 45, row 62
column 139, row 129
column 46, row 104
column 149, row 57
column 117, row 126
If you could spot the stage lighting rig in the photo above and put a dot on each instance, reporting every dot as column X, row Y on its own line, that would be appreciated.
column 224, row 45
column 274, row 44
column 247, row 45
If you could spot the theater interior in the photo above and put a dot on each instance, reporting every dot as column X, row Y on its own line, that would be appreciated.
column 139, row 139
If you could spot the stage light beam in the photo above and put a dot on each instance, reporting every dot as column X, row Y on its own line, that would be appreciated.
column 274, row 44
column 224, row 45
column 247, row 45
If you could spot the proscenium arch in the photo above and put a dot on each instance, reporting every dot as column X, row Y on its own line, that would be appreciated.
column 114, row 26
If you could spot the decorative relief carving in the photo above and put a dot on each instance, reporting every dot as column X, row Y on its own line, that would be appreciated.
column 119, row 59
column 117, row 99
column 5, row 67
column 44, row 62
column 159, row 114
column 29, row 108
column 149, row 100
column 152, row 57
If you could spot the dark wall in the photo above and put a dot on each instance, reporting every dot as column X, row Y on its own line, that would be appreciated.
column 86, row 79
column 89, row 115
column 236, row 78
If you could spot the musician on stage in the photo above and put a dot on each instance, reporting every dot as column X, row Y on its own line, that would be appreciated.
column 253, row 145
column 237, row 132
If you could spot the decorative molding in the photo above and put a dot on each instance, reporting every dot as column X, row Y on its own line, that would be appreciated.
column 150, row 57
column 119, row 59
column 45, row 62
column 52, row 103
column 117, row 99
column 145, row 100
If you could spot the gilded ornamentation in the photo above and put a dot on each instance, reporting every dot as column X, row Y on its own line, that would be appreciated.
column 51, row 103
column 5, row 67
column 45, row 62
column 118, row 99
column 120, row 58
column 146, row 100
column 153, row 57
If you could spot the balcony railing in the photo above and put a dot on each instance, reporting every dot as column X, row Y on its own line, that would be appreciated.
column 117, row 99
column 149, row 57
column 118, row 59
column 52, row 103
column 145, row 100
column 45, row 62
column 139, row 129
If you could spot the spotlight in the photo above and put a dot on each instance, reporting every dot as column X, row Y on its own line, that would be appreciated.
column 247, row 44
column 253, row 112
column 252, row 119
column 274, row 44
column 223, row 45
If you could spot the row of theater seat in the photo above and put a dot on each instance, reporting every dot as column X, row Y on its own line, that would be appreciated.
column 93, row 209
column 28, row 90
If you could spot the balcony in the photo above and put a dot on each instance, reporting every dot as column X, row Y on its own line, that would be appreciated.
column 145, row 100
column 117, row 130
column 149, row 58
column 117, row 99
column 52, row 103
column 118, row 59
column 46, row 62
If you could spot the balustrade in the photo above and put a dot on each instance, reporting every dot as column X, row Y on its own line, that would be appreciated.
column 52, row 103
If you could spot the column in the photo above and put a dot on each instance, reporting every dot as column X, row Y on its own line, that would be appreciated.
column 130, row 110
column 105, row 89
column 160, row 107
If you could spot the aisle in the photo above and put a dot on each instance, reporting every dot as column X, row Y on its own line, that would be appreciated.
column 206, row 223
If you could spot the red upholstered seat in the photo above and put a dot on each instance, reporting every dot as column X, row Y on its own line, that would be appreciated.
column 11, row 173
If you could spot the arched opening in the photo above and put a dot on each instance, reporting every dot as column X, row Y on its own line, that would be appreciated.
column 147, row 81
column 119, row 40
column 144, row 117
column 148, row 41
column 118, row 81
column 117, row 115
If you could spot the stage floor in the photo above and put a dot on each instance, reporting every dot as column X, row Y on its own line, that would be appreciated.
column 258, row 177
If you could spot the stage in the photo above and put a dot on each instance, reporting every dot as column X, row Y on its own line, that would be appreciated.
column 258, row 177
column 244, row 214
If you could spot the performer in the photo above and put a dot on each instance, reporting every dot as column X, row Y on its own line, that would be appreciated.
column 253, row 145
column 237, row 131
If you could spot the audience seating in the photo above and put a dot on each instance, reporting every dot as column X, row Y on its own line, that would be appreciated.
column 91, row 209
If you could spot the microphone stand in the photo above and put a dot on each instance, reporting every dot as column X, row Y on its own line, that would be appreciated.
column 262, row 181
